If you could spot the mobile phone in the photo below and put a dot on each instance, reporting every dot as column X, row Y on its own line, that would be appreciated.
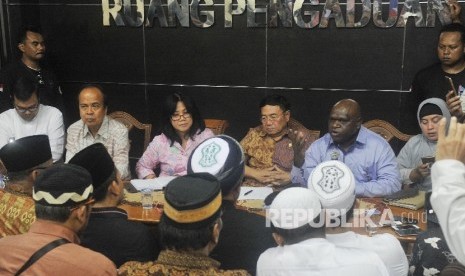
column 451, row 83
column 428, row 160
column 406, row 230
column 405, row 220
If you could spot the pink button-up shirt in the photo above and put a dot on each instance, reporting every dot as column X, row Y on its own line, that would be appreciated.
column 171, row 159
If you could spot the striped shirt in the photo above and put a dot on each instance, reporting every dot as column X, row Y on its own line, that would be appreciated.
column 112, row 134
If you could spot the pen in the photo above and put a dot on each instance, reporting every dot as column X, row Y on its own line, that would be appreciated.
column 248, row 192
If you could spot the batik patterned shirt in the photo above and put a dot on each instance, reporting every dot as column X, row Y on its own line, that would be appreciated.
column 430, row 253
column 17, row 213
column 178, row 264
column 264, row 152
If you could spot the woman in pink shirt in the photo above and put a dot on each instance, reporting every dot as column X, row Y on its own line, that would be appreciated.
column 182, row 129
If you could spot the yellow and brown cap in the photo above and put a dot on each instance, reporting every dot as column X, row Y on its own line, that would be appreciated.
column 192, row 201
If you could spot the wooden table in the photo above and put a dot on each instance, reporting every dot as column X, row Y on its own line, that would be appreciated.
column 358, row 227
column 152, row 216
column 137, row 213
column 133, row 207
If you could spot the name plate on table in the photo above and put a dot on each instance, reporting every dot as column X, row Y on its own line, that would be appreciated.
column 155, row 184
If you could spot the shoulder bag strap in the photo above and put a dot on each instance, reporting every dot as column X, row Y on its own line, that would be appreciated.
column 41, row 252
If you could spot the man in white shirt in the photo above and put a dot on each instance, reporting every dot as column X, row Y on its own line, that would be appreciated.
column 448, row 177
column 96, row 127
column 334, row 184
column 29, row 117
column 302, row 245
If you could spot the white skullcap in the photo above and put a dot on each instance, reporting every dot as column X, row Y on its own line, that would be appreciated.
column 211, row 156
column 334, row 184
column 293, row 208
column 222, row 157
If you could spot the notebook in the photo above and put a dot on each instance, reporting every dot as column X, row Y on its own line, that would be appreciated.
column 414, row 202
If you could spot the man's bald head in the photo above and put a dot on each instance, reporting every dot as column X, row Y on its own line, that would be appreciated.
column 352, row 107
column 344, row 122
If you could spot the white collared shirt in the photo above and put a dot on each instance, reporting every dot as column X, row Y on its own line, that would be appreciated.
column 386, row 246
column 48, row 121
column 448, row 201
column 319, row 257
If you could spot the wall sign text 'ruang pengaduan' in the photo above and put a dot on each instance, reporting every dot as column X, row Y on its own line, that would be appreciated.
column 305, row 14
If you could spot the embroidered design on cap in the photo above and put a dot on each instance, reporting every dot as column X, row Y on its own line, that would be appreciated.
column 50, row 199
column 331, row 176
column 209, row 153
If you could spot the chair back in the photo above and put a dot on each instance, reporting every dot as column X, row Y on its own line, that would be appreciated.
column 296, row 125
column 454, row 269
column 216, row 125
column 130, row 122
column 386, row 130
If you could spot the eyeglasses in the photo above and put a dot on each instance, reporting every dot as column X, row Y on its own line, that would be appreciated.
column 272, row 118
column 93, row 107
column 30, row 109
column 177, row 117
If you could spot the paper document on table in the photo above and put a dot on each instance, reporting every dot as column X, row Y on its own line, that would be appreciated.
column 254, row 193
column 154, row 184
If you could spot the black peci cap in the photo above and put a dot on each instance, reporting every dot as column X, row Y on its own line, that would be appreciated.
column 97, row 161
column 25, row 153
column 63, row 185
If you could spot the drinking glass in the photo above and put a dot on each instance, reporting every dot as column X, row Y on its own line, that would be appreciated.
column 147, row 199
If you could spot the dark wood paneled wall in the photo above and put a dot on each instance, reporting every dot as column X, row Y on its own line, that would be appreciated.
column 227, row 71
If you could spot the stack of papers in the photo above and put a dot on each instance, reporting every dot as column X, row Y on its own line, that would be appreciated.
column 254, row 193
column 153, row 184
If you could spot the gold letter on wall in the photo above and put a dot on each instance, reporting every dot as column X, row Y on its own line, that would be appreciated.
column 113, row 11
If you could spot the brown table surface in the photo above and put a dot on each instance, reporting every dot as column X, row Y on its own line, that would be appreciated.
column 133, row 207
column 151, row 216
column 396, row 211
column 137, row 213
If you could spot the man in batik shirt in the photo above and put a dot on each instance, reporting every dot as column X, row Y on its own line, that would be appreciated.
column 21, row 162
column 268, row 148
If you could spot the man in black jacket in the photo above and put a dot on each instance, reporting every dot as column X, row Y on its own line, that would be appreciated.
column 31, row 44
column 109, row 231
column 244, row 236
